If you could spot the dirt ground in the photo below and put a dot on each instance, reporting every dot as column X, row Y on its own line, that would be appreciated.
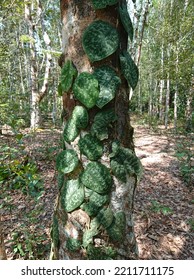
column 163, row 204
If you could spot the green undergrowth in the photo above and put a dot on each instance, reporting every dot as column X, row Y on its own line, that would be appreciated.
column 21, row 191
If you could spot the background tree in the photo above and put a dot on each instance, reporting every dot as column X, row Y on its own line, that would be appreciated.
column 166, row 50
column 29, row 62
column 97, row 169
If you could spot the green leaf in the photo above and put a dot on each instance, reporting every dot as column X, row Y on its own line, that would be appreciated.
column 102, row 121
column 73, row 244
column 129, row 69
column 60, row 180
column 78, row 120
column 88, row 236
column 105, row 217
column 90, row 208
column 91, row 147
column 94, row 203
column 100, row 39
column 126, row 21
column 72, row 195
column 86, row 90
column 55, row 231
column 60, row 90
column 80, row 116
column 125, row 162
column 109, row 83
column 67, row 161
column 117, row 229
column 99, row 199
column 101, row 4
column 118, row 170
column 68, row 73
column 70, row 131
column 97, row 177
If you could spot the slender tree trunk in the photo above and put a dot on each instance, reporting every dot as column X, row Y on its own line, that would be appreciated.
column 37, row 92
column 141, row 14
column 139, row 98
column 48, row 57
column 81, row 233
column 141, row 29
column 176, row 94
column 189, row 107
column 35, row 110
column 3, row 255
column 167, row 100
column 161, row 110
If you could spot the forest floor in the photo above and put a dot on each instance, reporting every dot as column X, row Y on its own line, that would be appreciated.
column 164, row 209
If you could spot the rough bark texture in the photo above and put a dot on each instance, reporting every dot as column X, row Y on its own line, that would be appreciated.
column 3, row 255
column 76, row 16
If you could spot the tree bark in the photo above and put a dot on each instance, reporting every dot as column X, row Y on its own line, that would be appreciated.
column 3, row 255
column 74, row 225
column 37, row 92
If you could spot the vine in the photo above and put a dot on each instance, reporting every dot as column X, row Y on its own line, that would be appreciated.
column 89, row 186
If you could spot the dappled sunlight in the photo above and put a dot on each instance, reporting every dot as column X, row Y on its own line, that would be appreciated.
column 163, row 203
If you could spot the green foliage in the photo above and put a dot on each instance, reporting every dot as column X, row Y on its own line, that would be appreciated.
column 88, row 236
column 78, row 120
column 91, row 147
column 68, row 73
column 80, row 116
column 101, row 123
column 129, row 69
column 109, row 83
column 125, row 19
column 90, row 208
column 85, row 89
column 124, row 162
column 21, row 174
column 94, row 203
column 100, row 39
column 117, row 229
column 60, row 90
column 191, row 223
column 70, row 131
column 97, row 177
column 55, row 232
column 100, row 253
column 185, row 155
column 60, row 179
column 26, row 39
column 73, row 244
column 28, row 241
column 101, row 4
column 67, row 161
column 105, row 217
column 159, row 208
column 72, row 195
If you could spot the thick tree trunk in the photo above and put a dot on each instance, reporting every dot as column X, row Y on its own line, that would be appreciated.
column 74, row 234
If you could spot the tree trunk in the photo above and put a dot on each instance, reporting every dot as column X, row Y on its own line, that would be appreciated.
column 35, row 111
column 37, row 94
column 3, row 255
column 189, row 107
column 141, row 14
column 167, row 100
column 161, row 110
column 94, row 230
